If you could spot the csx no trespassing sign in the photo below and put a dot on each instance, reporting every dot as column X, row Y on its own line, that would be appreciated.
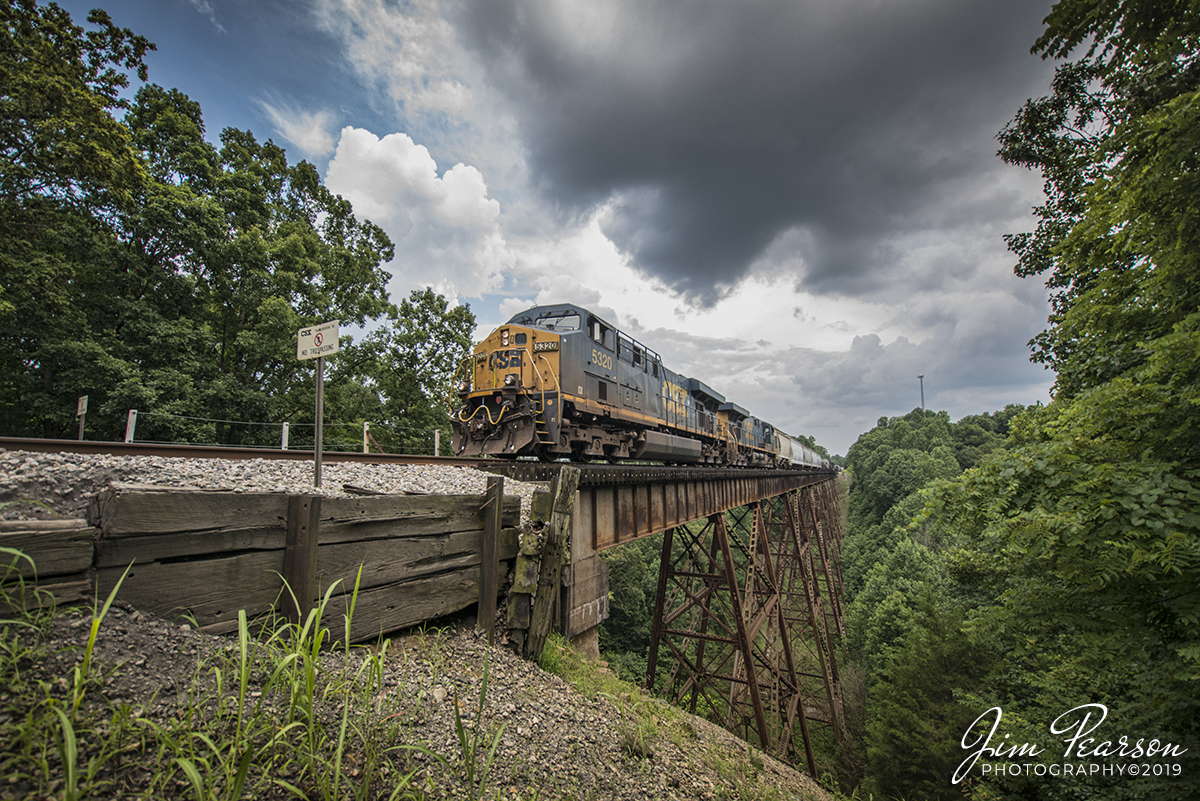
column 321, row 340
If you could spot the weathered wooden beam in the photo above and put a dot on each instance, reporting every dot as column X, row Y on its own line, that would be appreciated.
column 585, row 591
column 558, row 533
column 489, row 564
column 300, row 555
column 56, row 547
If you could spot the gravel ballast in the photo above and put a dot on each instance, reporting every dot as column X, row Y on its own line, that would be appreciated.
column 48, row 485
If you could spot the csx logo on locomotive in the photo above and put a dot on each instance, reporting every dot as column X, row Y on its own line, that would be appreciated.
column 504, row 358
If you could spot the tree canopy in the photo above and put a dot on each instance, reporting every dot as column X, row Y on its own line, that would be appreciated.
column 151, row 269
column 1081, row 541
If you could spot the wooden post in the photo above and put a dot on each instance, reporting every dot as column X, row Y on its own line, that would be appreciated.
column 554, row 551
column 300, row 555
column 489, row 566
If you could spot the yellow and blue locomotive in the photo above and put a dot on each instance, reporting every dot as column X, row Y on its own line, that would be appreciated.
column 560, row 382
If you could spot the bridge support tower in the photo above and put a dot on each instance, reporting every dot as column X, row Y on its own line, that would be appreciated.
column 748, row 609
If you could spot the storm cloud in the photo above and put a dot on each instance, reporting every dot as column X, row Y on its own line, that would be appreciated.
column 716, row 129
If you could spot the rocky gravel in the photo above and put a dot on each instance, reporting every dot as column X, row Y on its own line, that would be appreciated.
column 50, row 485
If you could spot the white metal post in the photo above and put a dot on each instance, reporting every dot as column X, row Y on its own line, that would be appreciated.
column 81, row 413
column 437, row 442
column 130, row 425
column 366, row 426
column 284, row 439
column 318, row 445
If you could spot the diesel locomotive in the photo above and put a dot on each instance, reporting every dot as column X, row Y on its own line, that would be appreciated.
column 560, row 382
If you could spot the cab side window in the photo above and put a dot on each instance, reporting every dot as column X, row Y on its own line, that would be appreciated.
column 600, row 332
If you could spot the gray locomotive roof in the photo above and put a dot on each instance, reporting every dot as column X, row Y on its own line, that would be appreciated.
column 699, row 388
column 529, row 315
column 733, row 407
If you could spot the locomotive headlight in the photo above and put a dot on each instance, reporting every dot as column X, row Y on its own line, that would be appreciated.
column 510, row 380
column 504, row 338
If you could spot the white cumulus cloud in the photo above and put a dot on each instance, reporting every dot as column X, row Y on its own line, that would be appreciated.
column 445, row 227
column 410, row 50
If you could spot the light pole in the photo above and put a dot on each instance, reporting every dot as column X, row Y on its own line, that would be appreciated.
column 921, row 378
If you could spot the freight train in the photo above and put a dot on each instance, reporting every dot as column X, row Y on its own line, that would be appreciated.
column 560, row 382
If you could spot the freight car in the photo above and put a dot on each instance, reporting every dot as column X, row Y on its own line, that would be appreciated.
column 560, row 382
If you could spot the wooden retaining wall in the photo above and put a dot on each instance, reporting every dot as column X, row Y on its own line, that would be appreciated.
column 210, row 554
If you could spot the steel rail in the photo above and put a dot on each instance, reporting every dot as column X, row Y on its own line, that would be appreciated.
column 221, row 452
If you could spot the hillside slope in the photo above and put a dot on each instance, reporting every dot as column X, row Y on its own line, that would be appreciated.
column 151, row 686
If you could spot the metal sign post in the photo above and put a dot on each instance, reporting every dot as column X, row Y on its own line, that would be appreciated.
column 319, row 438
column 317, row 342
column 81, row 413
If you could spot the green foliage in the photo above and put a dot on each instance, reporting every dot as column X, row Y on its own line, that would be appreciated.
column 1079, row 546
column 914, row 728
column 632, row 588
column 904, row 633
column 870, row 547
column 59, row 144
column 881, row 615
column 412, row 365
column 150, row 269
column 1117, row 144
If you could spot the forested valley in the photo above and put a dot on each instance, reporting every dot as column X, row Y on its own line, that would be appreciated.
column 1039, row 559
column 148, row 269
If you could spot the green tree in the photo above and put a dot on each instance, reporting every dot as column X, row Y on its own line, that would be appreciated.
column 414, row 364
column 1083, row 538
column 633, row 587
column 915, row 720
column 59, row 143
column 1117, row 144
column 145, row 267
column 880, row 617
column 65, row 169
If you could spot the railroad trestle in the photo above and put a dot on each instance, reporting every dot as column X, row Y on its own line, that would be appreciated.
column 747, row 612
column 749, row 603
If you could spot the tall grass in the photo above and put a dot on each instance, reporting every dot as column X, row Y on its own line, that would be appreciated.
column 277, row 710
column 42, row 720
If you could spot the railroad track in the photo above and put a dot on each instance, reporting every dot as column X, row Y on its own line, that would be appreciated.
column 220, row 452
column 521, row 470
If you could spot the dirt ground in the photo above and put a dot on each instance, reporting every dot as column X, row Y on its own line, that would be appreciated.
column 552, row 741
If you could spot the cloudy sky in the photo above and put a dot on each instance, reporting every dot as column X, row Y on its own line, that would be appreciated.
column 795, row 201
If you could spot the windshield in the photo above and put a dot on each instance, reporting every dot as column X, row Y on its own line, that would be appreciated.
column 566, row 321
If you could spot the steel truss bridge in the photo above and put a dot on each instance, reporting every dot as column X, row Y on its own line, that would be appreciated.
column 749, row 602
